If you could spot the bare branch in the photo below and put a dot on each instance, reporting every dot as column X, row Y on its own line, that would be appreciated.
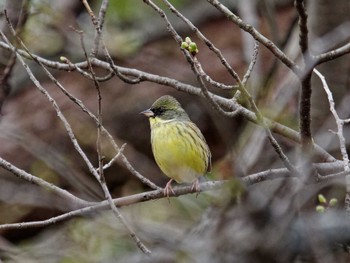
column 305, row 113
column 340, row 134
column 303, row 30
column 145, row 76
column 257, row 36
column 96, row 24
column 251, row 179
column 305, row 98
column 71, row 199
column 333, row 54
column 210, row 45
column 194, row 63
column 252, row 63
column 119, row 202
column 338, row 120
column 107, row 165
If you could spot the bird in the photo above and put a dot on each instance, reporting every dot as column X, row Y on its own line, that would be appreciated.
column 179, row 148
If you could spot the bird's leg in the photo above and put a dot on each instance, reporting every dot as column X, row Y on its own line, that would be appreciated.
column 196, row 187
column 168, row 188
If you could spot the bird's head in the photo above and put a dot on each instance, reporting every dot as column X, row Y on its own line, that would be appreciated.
column 166, row 108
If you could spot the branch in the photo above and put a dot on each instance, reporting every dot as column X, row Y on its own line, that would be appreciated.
column 333, row 54
column 340, row 123
column 65, row 195
column 210, row 45
column 305, row 113
column 248, row 180
column 305, row 98
column 303, row 30
column 252, row 64
column 98, row 23
column 180, row 86
column 119, row 202
column 257, row 36
column 194, row 63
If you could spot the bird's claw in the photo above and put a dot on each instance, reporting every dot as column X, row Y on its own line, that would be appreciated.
column 168, row 189
column 195, row 187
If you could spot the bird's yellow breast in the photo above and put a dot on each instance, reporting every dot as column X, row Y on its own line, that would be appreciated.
column 179, row 149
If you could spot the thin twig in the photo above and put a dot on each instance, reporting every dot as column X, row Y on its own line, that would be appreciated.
column 333, row 54
column 71, row 200
column 338, row 120
column 99, row 26
column 340, row 134
column 99, row 39
column 84, row 73
column 115, row 69
column 257, row 36
column 252, row 63
column 210, row 45
column 121, row 149
column 96, row 25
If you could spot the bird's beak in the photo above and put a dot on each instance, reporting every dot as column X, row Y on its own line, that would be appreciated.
column 147, row 113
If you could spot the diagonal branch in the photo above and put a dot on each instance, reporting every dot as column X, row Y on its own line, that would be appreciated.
column 70, row 199
column 257, row 36
column 333, row 54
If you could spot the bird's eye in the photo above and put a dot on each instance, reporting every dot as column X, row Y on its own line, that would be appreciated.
column 158, row 111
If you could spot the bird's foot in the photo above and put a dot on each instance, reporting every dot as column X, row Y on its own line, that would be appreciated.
column 168, row 189
column 195, row 187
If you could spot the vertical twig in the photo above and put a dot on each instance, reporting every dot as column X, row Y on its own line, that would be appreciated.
column 97, row 22
column 252, row 63
column 96, row 25
column 340, row 123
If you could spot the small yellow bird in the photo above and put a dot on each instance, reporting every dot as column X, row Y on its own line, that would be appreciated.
column 178, row 146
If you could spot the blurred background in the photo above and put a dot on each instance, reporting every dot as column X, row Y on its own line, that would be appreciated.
column 33, row 138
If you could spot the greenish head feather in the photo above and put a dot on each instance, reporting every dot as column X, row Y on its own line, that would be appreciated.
column 167, row 108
